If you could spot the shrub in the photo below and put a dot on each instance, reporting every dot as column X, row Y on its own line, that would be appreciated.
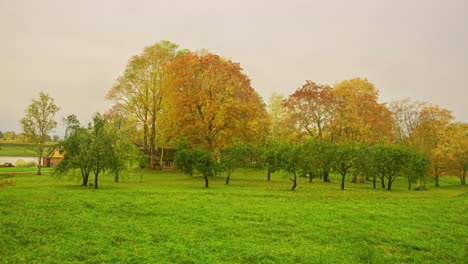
column 20, row 163
column 31, row 163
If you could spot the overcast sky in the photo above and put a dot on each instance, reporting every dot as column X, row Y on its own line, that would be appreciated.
column 74, row 50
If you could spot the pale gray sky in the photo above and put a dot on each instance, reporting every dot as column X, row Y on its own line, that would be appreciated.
column 74, row 50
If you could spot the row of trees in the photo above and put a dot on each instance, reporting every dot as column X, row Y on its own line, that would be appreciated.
column 312, row 159
column 349, row 112
column 167, row 95
column 21, row 137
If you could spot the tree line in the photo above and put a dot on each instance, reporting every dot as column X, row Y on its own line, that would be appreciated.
column 203, row 105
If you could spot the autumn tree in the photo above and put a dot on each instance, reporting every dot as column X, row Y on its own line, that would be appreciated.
column 454, row 148
column 281, row 124
column 407, row 118
column 139, row 90
column 311, row 108
column 212, row 102
column 434, row 120
column 357, row 115
column 39, row 122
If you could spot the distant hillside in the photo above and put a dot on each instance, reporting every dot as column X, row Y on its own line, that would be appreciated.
column 12, row 148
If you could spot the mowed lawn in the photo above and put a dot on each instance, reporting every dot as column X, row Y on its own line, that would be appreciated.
column 170, row 218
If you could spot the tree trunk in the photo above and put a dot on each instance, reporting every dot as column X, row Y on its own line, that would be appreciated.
column 311, row 175
column 294, row 182
column 161, row 159
column 342, row 181
column 96, row 180
column 39, row 162
column 116, row 179
column 409, row 185
column 363, row 179
column 354, row 179
column 326, row 175
column 268, row 175
column 206, row 181
column 389, row 187
column 227, row 178
column 437, row 181
column 85, row 178
column 374, row 181
column 383, row 182
column 463, row 178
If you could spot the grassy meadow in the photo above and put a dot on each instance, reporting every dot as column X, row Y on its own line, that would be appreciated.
column 13, row 148
column 167, row 217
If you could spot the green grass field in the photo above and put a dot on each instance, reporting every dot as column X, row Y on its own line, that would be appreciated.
column 11, row 148
column 23, row 169
column 170, row 218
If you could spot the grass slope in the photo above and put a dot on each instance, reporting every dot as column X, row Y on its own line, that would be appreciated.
column 11, row 148
column 171, row 218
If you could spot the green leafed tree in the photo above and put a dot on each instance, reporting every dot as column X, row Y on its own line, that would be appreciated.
column 76, row 148
column 269, row 156
column 125, row 151
column 39, row 122
column 294, row 161
column 233, row 157
column 198, row 160
column 345, row 156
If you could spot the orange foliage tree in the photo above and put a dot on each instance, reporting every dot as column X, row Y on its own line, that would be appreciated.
column 310, row 108
column 212, row 102
column 348, row 112
column 357, row 115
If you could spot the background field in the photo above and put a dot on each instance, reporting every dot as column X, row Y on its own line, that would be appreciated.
column 167, row 217
column 12, row 148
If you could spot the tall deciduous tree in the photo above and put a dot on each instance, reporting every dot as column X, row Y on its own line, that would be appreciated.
column 407, row 118
column 125, row 151
column 213, row 102
column 39, row 122
column 140, row 91
column 311, row 108
column 454, row 148
column 357, row 115
column 281, row 123
column 434, row 120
